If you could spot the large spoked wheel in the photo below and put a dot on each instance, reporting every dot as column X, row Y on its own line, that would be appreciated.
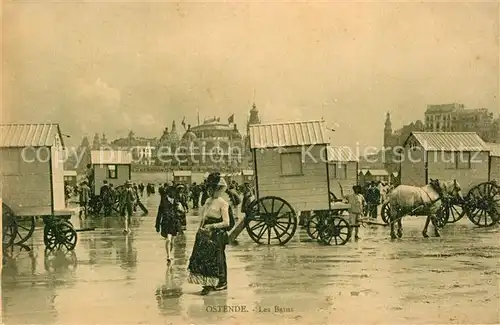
column 386, row 213
column 442, row 216
column 25, row 228
column 454, row 212
column 59, row 234
column 271, row 220
column 314, row 225
column 482, row 204
column 9, row 227
column 335, row 230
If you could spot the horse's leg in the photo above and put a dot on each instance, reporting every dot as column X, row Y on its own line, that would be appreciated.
column 424, row 231
column 400, row 227
column 393, row 218
column 435, row 225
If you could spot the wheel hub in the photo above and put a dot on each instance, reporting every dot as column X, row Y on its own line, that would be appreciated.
column 270, row 220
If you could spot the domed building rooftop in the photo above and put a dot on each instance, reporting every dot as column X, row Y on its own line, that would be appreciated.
column 214, row 128
column 189, row 135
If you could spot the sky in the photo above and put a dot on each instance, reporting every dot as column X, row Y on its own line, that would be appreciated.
column 118, row 66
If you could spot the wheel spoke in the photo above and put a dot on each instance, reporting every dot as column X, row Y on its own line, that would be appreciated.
column 281, row 227
column 277, row 235
column 23, row 227
column 257, row 225
column 284, row 216
column 329, row 238
column 265, row 209
column 281, row 207
column 261, row 233
column 484, row 215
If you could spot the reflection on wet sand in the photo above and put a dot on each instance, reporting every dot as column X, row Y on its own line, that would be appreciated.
column 59, row 262
column 126, row 251
column 29, row 294
column 124, row 279
column 168, row 294
column 18, row 264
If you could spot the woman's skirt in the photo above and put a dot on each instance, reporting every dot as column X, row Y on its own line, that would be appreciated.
column 170, row 226
column 208, row 260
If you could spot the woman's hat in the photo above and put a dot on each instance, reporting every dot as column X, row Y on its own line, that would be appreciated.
column 222, row 182
column 215, row 179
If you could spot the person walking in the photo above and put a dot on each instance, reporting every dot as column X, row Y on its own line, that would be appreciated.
column 373, row 200
column 204, row 192
column 127, row 205
column 234, row 199
column 195, row 195
column 248, row 197
column 106, row 198
column 357, row 203
column 84, row 198
column 168, row 220
column 181, row 198
column 207, row 264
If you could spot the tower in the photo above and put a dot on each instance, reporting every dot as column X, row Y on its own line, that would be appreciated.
column 254, row 117
column 174, row 128
column 96, row 143
column 388, row 131
column 104, row 140
column 174, row 136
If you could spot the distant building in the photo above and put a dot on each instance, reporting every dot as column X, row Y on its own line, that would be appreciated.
column 398, row 137
column 373, row 175
column 142, row 149
column 442, row 118
column 213, row 144
column 254, row 117
column 252, row 120
column 456, row 118
column 395, row 139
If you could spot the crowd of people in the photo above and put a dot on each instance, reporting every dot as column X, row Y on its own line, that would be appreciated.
column 375, row 194
column 218, row 204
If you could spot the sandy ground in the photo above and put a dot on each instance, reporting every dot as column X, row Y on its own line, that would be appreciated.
column 112, row 278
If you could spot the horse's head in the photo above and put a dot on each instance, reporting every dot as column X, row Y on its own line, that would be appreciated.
column 448, row 188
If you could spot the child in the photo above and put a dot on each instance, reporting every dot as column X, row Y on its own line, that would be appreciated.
column 357, row 202
column 168, row 222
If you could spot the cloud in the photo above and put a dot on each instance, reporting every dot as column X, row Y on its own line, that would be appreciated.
column 101, row 104
column 100, row 93
column 145, row 120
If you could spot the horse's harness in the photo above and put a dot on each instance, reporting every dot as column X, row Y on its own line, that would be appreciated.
column 435, row 185
column 439, row 191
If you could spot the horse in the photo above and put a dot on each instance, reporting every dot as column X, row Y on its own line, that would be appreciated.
column 425, row 200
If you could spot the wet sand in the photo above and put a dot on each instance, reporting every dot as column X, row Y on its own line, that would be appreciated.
column 112, row 278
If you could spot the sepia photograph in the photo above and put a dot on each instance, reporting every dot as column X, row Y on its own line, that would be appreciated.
column 250, row 162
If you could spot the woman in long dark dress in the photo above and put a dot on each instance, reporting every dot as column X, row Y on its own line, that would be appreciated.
column 207, row 265
column 168, row 223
